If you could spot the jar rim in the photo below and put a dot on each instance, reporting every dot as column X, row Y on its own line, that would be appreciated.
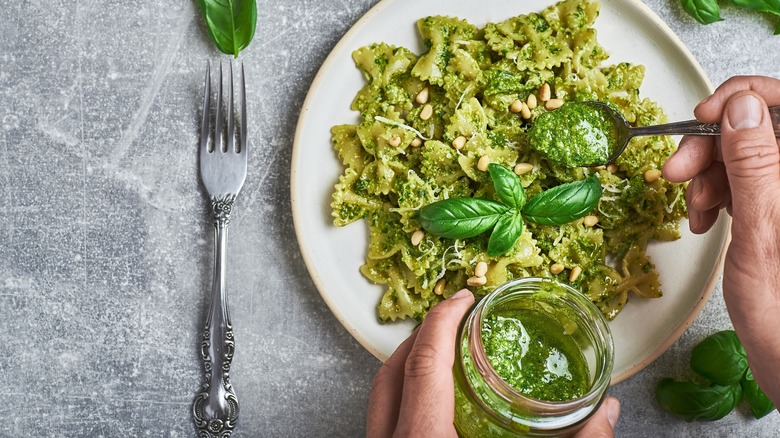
column 601, row 334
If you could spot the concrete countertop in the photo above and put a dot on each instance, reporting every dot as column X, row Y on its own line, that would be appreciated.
column 106, row 245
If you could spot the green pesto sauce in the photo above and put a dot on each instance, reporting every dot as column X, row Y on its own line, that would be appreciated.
column 530, row 350
column 574, row 135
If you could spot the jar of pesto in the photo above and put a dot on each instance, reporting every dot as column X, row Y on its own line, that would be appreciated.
column 533, row 358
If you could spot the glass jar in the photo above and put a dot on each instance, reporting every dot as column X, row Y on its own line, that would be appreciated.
column 486, row 405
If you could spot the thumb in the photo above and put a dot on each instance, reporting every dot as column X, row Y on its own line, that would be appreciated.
column 750, row 151
column 602, row 423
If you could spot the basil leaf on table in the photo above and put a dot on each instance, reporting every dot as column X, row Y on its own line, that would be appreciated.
column 759, row 403
column 704, row 11
column 461, row 218
column 507, row 185
column 564, row 203
column 693, row 401
column 230, row 23
column 771, row 6
column 508, row 229
column 720, row 358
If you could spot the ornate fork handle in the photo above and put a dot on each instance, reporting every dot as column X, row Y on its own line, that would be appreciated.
column 216, row 407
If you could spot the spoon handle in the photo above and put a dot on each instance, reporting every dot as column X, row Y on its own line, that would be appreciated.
column 695, row 127
column 688, row 127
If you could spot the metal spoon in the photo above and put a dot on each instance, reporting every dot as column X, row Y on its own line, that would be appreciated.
column 624, row 132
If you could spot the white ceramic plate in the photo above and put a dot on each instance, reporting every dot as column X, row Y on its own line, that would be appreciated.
column 630, row 32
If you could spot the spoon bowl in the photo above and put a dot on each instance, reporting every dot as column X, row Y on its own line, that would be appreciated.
column 582, row 122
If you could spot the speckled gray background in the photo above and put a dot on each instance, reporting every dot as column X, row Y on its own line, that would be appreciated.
column 105, row 243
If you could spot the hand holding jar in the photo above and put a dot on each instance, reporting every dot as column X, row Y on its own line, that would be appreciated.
column 413, row 394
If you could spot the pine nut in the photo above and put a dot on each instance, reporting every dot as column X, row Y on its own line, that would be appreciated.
column 531, row 101
column 522, row 168
column 459, row 142
column 553, row 104
column 575, row 273
column 612, row 168
column 422, row 96
column 525, row 112
column 652, row 175
column 416, row 142
column 590, row 220
column 483, row 162
column 417, row 237
column 426, row 112
column 544, row 92
column 440, row 285
column 476, row 281
column 395, row 141
column 516, row 106
column 481, row 269
column 556, row 268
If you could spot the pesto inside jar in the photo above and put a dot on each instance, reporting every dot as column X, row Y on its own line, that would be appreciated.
column 574, row 135
column 532, row 351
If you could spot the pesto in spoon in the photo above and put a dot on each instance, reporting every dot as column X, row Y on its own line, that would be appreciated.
column 593, row 133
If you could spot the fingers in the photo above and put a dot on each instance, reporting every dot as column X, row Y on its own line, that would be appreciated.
column 384, row 400
column 750, row 152
column 707, row 193
column 602, row 423
column 711, row 109
column 428, row 400
column 694, row 154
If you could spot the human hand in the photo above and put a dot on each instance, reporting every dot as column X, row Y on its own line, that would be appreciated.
column 413, row 393
column 741, row 172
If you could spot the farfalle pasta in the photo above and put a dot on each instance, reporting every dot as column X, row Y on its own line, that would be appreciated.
column 426, row 122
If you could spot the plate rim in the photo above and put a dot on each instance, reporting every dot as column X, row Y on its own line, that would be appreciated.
column 662, row 347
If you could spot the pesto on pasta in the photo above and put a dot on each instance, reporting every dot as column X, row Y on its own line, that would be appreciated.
column 428, row 120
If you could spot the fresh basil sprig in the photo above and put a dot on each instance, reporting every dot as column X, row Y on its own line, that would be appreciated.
column 704, row 11
column 462, row 218
column 708, row 11
column 693, row 401
column 564, row 203
column 759, row 403
column 721, row 359
column 231, row 23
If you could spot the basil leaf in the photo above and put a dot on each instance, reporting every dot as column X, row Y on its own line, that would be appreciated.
column 720, row 358
column 460, row 218
column 231, row 23
column 507, row 185
column 693, row 401
column 704, row 11
column 771, row 6
column 508, row 229
column 564, row 203
column 759, row 403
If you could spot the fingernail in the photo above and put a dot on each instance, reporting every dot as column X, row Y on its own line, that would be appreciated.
column 463, row 293
column 613, row 412
column 745, row 112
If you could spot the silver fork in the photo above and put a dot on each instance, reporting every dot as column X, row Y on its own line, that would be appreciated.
column 222, row 170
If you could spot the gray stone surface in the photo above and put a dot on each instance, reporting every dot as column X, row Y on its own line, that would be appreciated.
column 105, row 243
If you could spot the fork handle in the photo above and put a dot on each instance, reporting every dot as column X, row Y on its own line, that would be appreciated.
column 215, row 408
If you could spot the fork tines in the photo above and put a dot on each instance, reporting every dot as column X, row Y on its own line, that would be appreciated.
column 218, row 143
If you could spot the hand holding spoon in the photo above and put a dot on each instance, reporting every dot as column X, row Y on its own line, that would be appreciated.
column 593, row 133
